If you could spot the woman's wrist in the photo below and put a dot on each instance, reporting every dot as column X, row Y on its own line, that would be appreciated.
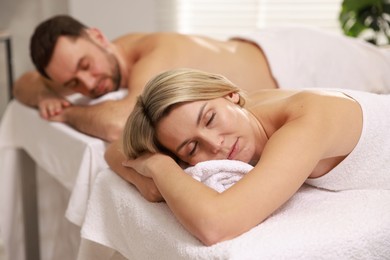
column 161, row 164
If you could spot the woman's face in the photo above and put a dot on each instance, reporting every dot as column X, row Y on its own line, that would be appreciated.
column 209, row 130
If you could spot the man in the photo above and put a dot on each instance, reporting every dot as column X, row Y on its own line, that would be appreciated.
column 71, row 57
column 81, row 59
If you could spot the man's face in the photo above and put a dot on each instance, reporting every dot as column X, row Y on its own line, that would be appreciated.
column 84, row 66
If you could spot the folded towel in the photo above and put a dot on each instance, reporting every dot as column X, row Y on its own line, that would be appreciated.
column 219, row 174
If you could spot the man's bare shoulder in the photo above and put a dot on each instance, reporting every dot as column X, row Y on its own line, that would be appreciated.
column 129, row 38
column 146, row 42
column 152, row 37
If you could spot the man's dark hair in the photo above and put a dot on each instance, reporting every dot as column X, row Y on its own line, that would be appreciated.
column 45, row 37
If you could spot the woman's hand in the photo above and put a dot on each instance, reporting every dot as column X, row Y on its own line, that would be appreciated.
column 148, row 164
column 149, row 190
column 146, row 186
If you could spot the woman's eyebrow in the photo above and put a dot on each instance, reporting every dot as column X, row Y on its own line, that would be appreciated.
column 200, row 114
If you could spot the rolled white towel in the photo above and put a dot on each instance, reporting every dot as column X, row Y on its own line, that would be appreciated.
column 79, row 99
column 219, row 174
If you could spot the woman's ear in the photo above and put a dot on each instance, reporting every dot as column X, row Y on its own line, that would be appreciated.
column 233, row 97
column 98, row 37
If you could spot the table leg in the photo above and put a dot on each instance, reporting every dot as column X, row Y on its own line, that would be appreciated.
column 30, row 207
column 10, row 68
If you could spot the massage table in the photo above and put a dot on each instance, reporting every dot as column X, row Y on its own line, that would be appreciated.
column 85, row 211
column 313, row 224
column 54, row 165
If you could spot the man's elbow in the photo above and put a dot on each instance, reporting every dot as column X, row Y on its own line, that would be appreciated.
column 17, row 87
column 21, row 89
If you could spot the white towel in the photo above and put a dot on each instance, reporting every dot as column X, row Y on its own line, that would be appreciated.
column 368, row 165
column 219, row 174
column 79, row 99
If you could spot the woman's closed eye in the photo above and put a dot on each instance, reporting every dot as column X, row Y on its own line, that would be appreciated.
column 193, row 146
column 210, row 119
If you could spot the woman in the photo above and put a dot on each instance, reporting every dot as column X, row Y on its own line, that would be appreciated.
column 327, row 138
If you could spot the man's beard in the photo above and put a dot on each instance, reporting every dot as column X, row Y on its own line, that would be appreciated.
column 115, row 71
column 115, row 75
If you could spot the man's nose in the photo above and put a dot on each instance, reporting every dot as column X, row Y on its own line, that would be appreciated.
column 87, row 79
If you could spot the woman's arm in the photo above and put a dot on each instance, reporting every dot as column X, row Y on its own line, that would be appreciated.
column 214, row 217
column 145, row 185
column 321, row 131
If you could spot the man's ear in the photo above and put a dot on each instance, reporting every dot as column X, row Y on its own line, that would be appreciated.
column 233, row 97
column 97, row 36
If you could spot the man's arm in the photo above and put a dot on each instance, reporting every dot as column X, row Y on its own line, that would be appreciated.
column 34, row 90
column 145, row 186
column 103, row 120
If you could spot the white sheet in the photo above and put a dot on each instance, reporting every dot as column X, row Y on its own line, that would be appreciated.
column 313, row 224
column 69, row 156
column 309, row 57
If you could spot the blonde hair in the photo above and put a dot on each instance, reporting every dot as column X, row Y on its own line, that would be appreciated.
column 163, row 92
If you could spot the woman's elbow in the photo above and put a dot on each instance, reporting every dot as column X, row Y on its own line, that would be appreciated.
column 113, row 132
column 214, row 229
column 210, row 240
column 213, row 236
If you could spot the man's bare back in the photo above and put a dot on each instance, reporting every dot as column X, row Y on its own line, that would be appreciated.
column 149, row 54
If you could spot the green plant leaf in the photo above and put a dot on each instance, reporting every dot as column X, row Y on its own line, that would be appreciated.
column 359, row 4
column 357, row 16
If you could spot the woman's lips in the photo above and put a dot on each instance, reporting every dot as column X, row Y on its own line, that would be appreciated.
column 233, row 151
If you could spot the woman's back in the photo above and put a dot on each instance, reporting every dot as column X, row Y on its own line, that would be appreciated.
column 332, row 116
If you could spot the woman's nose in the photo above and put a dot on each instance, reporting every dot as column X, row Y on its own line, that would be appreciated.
column 214, row 142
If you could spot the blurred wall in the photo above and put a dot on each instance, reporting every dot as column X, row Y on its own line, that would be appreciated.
column 19, row 17
column 115, row 17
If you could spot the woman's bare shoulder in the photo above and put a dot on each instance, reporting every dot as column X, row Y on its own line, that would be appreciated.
column 302, row 98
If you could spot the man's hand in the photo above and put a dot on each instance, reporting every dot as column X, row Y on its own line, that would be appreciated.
column 31, row 89
column 51, row 105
